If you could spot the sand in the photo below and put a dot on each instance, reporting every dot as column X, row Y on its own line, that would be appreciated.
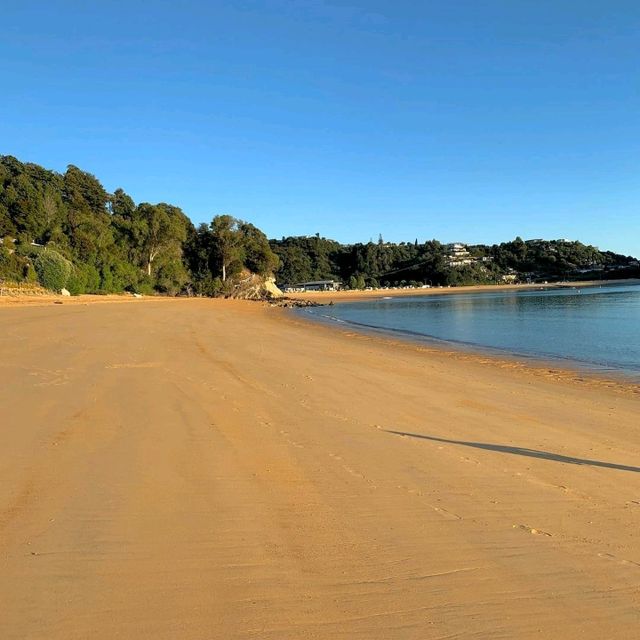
column 347, row 295
column 201, row 469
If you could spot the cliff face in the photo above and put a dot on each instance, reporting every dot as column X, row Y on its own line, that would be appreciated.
column 250, row 286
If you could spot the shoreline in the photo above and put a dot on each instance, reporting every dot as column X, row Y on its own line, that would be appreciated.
column 537, row 367
column 320, row 297
column 566, row 367
column 338, row 297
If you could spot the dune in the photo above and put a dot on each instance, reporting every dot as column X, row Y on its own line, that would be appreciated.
column 220, row 469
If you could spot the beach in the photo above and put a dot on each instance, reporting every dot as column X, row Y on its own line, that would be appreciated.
column 359, row 295
column 192, row 468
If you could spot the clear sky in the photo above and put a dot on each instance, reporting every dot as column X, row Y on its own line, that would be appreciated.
column 468, row 120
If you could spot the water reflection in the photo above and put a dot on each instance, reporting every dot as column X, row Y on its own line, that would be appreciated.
column 597, row 326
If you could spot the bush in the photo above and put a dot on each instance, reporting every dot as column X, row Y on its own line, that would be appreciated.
column 170, row 278
column 77, row 282
column 53, row 269
column 30, row 274
column 124, row 275
column 106, row 283
column 93, row 279
column 12, row 266
column 144, row 285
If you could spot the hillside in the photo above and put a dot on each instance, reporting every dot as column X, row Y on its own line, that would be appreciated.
column 304, row 259
column 66, row 231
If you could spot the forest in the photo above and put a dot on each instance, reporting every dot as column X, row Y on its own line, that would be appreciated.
column 64, row 230
column 436, row 264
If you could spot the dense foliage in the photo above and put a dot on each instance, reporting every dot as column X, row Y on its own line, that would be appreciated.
column 304, row 259
column 67, row 231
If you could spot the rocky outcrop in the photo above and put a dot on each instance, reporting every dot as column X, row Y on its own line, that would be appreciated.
column 294, row 303
column 250, row 286
column 20, row 289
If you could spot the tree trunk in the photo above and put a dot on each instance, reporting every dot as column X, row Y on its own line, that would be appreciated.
column 149, row 268
column 224, row 272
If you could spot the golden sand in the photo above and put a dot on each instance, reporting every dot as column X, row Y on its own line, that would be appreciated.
column 196, row 469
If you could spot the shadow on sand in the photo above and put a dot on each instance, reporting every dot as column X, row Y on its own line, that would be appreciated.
column 520, row 451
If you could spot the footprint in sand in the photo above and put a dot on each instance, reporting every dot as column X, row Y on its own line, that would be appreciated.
column 610, row 556
column 50, row 377
column 285, row 434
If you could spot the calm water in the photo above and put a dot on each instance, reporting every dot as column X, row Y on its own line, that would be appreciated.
column 597, row 327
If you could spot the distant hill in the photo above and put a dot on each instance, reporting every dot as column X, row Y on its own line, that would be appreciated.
column 312, row 258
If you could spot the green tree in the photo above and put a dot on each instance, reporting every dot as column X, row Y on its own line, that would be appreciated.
column 158, row 230
column 226, row 244
column 258, row 256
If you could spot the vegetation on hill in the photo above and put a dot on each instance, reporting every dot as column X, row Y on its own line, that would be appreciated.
column 67, row 231
column 304, row 259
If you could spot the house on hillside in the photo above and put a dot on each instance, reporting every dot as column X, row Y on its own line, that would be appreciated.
column 458, row 255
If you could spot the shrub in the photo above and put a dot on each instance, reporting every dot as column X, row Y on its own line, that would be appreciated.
column 170, row 278
column 143, row 285
column 93, row 279
column 53, row 269
column 106, row 283
column 77, row 282
column 12, row 266
column 30, row 274
column 124, row 275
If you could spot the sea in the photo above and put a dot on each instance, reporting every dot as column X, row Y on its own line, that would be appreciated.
column 595, row 328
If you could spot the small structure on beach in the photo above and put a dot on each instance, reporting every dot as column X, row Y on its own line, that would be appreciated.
column 315, row 285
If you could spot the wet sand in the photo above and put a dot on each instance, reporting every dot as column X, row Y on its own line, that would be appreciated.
column 201, row 469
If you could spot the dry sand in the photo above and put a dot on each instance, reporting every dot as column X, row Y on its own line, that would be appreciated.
column 194, row 469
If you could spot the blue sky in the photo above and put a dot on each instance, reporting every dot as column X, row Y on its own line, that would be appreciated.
column 471, row 121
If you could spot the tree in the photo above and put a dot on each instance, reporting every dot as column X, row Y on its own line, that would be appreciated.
column 258, row 256
column 121, row 204
column 83, row 190
column 158, row 230
column 226, row 239
column 295, row 264
column 104, row 242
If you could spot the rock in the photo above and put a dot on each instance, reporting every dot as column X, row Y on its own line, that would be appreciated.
column 250, row 286
column 271, row 288
column 137, row 295
column 65, row 292
column 293, row 302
